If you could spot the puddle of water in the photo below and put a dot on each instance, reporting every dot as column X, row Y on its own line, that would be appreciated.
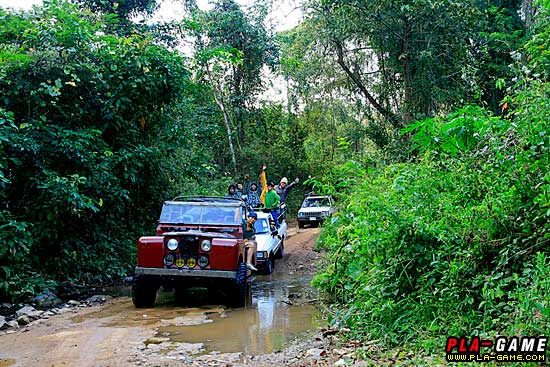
column 251, row 331
column 275, row 316
column 7, row 362
column 279, row 311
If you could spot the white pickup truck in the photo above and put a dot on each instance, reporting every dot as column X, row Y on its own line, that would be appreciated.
column 315, row 209
column 270, row 242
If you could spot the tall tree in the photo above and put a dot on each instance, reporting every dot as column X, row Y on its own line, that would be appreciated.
column 321, row 92
column 415, row 48
column 410, row 59
column 501, row 33
column 228, row 29
column 123, row 13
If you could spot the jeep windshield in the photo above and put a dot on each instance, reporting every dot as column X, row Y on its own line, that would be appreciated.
column 315, row 202
column 261, row 226
column 188, row 213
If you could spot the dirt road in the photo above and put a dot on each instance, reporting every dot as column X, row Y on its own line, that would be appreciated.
column 280, row 327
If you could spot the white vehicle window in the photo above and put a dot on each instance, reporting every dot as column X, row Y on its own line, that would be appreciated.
column 315, row 202
column 261, row 226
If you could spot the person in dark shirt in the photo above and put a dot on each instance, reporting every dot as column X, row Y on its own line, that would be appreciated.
column 253, row 196
column 249, row 235
column 232, row 192
column 239, row 189
column 283, row 188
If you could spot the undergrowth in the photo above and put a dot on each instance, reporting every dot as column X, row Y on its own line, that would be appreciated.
column 454, row 242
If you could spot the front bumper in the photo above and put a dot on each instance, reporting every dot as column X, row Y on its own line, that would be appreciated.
column 310, row 219
column 198, row 273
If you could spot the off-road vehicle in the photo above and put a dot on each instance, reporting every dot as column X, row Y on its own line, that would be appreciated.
column 198, row 243
column 270, row 241
column 315, row 209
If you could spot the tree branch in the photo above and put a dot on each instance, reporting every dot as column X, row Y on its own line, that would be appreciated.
column 357, row 80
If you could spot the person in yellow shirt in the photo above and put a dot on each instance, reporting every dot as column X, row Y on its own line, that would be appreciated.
column 263, row 181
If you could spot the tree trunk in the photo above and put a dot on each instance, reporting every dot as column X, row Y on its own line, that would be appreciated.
column 359, row 83
column 226, row 120
column 407, row 75
column 528, row 12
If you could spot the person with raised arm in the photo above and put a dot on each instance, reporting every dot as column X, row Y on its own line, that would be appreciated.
column 283, row 188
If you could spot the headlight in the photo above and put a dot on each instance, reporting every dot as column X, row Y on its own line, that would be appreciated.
column 325, row 213
column 301, row 214
column 206, row 245
column 191, row 262
column 169, row 260
column 172, row 244
column 203, row 261
column 180, row 262
column 261, row 254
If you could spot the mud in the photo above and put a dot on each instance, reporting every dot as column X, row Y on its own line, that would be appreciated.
column 280, row 326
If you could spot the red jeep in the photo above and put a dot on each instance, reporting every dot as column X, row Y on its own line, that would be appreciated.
column 199, row 243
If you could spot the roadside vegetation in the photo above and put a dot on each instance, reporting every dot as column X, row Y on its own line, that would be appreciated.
column 453, row 241
column 427, row 120
column 101, row 120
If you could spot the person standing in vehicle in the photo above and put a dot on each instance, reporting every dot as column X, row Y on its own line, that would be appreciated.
column 239, row 189
column 263, row 181
column 283, row 188
column 272, row 202
column 253, row 196
column 249, row 235
column 232, row 192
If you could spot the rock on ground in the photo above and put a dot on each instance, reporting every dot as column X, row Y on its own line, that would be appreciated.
column 46, row 300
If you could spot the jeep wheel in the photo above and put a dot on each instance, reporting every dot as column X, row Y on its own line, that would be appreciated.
column 144, row 292
column 238, row 298
column 281, row 252
column 270, row 265
column 300, row 225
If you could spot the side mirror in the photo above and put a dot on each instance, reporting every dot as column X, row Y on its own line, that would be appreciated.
column 274, row 232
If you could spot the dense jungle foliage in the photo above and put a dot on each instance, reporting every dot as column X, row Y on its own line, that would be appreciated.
column 455, row 240
column 427, row 120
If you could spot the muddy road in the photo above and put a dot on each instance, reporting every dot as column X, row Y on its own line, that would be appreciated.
column 279, row 327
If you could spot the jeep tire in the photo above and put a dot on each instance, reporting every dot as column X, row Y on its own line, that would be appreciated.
column 270, row 265
column 144, row 292
column 240, row 287
column 281, row 252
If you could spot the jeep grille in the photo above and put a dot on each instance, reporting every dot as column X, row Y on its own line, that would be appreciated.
column 189, row 247
column 311, row 214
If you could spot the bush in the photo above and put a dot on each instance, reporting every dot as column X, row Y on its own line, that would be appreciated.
column 450, row 244
column 80, row 153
